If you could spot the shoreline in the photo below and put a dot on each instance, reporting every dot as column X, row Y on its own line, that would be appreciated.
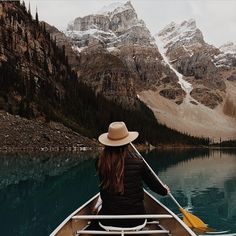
column 84, row 149
column 47, row 149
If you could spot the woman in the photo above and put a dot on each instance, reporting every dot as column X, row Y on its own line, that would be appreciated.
column 121, row 175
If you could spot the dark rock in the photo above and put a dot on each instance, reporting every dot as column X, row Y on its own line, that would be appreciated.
column 194, row 103
column 171, row 93
column 232, row 77
column 2, row 103
column 46, row 137
column 178, row 102
column 206, row 97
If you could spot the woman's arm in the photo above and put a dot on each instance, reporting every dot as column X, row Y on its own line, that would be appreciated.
column 152, row 182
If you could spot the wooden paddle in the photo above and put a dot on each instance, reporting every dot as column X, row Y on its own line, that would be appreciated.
column 189, row 219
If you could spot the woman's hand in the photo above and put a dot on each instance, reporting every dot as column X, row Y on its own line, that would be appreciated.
column 97, row 206
column 95, row 211
column 167, row 188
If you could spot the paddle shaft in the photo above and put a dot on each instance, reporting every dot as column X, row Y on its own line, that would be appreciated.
column 174, row 200
column 155, row 175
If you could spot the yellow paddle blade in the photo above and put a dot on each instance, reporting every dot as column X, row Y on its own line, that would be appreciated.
column 193, row 221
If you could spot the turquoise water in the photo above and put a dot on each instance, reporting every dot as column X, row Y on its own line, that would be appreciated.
column 203, row 182
column 38, row 191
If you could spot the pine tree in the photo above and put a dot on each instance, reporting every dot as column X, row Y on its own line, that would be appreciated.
column 29, row 11
column 36, row 16
column 23, row 5
column 63, row 54
column 44, row 28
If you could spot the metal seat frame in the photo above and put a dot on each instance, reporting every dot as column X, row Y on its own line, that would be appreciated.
column 124, row 231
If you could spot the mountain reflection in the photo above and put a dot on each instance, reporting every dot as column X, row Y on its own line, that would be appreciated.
column 230, row 195
column 203, row 181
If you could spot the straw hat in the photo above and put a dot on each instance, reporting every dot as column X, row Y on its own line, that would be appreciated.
column 118, row 135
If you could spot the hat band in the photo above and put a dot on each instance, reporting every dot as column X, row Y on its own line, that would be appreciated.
column 117, row 138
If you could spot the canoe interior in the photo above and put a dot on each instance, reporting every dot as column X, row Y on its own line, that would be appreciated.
column 176, row 228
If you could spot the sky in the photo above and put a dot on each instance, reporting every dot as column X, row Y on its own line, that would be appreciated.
column 215, row 18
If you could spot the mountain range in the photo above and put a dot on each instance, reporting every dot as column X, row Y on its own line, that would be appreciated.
column 188, row 84
column 108, row 66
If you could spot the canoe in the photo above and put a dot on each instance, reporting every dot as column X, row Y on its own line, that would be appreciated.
column 160, row 221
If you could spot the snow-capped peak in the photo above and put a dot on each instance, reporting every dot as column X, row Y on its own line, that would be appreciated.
column 118, row 25
column 227, row 55
column 173, row 29
column 229, row 48
column 115, row 8
column 185, row 33
column 110, row 8
column 190, row 24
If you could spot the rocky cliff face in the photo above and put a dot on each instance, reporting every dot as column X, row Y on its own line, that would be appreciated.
column 109, row 76
column 116, row 33
column 113, row 27
column 62, row 42
column 193, row 57
column 225, row 61
column 206, row 74
column 29, row 62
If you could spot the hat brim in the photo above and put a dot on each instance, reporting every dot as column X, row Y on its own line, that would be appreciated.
column 103, row 139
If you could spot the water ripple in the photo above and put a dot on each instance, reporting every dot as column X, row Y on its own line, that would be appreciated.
column 219, row 233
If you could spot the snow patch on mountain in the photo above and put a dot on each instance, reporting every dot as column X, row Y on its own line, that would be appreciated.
column 229, row 48
column 185, row 85
column 227, row 56
column 188, row 51
column 111, row 49
column 78, row 49
column 95, row 32
column 109, row 8
column 114, row 8
column 177, row 33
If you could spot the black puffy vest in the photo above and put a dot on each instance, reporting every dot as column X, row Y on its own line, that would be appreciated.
column 131, row 201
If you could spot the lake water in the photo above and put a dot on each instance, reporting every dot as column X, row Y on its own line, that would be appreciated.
column 38, row 191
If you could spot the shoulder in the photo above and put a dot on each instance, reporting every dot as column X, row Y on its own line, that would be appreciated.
column 133, row 159
column 137, row 162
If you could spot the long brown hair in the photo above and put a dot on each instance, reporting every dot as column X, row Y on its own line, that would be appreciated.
column 111, row 168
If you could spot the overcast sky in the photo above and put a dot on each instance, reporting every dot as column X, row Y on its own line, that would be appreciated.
column 215, row 18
